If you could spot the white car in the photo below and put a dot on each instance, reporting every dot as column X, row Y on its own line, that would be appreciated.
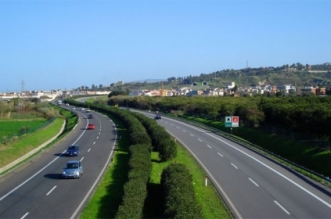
column 73, row 169
column 83, row 109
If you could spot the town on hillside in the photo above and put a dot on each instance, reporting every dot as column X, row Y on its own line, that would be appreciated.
column 295, row 79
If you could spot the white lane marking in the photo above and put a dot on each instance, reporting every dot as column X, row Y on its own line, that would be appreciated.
column 51, row 190
column 93, row 143
column 213, row 179
column 199, row 139
column 234, row 166
column 31, row 177
column 220, row 154
column 282, row 208
column 99, row 133
column 177, row 127
column 81, row 159
column 89, row 150
column 192, row 135
column 74, row 215
column 184, row 131
column 26, row 214
column 171, row 124
column 208, row 146
column 263, row 164
column 97, row 137
column 253, row 182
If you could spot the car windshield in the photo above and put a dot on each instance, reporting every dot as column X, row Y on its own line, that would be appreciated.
column 72, row 148
column 72, row 165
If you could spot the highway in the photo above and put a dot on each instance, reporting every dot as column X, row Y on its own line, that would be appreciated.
column 38, row 190
column 252, row 185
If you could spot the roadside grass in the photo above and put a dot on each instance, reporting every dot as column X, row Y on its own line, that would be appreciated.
column 108, row 195
column 207, row 196
column 15, row 150
column 11, row 128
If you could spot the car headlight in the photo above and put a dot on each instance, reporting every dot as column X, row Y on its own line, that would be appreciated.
column 76, row 173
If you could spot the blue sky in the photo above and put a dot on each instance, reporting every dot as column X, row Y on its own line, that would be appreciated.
column 67, row 44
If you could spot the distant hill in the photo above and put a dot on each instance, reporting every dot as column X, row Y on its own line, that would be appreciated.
column 148, row 81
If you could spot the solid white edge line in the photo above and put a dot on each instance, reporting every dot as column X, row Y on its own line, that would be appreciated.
column 17, row 187
column 51, row 190
column 26, row 214
column 279, row 205
column 74, row 215
column 263, row 164
column 253, row 182
column 224, row 195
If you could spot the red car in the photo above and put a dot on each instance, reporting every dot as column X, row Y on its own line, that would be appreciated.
column 90, row 126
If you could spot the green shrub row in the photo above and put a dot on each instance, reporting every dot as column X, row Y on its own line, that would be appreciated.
column 135, row 190
column 179, row 196
column 140, row 165
column 162, row 141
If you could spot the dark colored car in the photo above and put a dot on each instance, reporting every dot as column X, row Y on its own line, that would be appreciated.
column 74, row 169
column 90, row 116
column 90, row 126
column 157, row 117
column 73, row 150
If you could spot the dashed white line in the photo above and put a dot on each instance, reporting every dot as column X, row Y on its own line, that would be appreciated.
column 199, row 139
column 208, row 146
column 99, row 133
column 89, row 150
column 97, row 137
column 192, row 135
column 81, row 159
column 282, row 207
column 184, row 131
column 51, row 190
column 234, row 166
column 253, row 182
column 26, row 214
column 93, row 143
column 177, row 127
column 220, row 154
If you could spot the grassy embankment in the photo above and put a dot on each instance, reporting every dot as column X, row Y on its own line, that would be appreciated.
column 15, row 149
column 108, row 195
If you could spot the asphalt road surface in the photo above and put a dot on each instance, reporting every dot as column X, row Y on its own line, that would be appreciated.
column 252, row 185
column 38, row 190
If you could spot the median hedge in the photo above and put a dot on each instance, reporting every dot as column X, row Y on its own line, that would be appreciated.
column 179, row 196
column 135, row 190
column 162, row 141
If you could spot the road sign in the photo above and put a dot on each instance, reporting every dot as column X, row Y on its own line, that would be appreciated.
column 235, row 121
column 228, row 121
column 232, row 121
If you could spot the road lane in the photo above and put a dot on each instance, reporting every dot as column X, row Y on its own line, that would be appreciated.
column 47, row 195
column 281, row 193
